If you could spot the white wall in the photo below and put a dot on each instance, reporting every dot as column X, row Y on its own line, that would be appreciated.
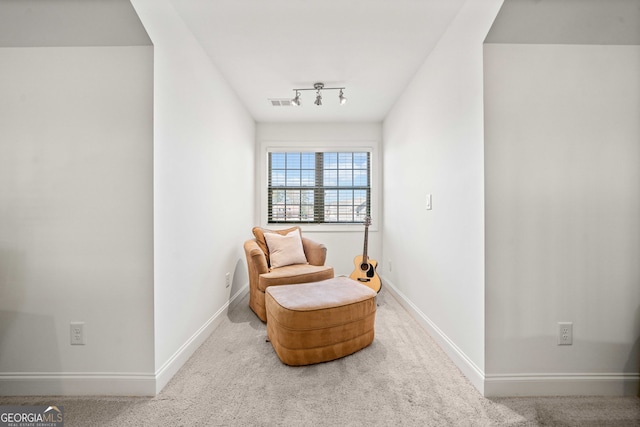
column 343, row 242
column 204, row 144
column 119, row 167
column 433, row 144
column 76, row 214
column 563, row 217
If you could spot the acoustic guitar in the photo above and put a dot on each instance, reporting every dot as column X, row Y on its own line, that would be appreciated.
column 365, row 271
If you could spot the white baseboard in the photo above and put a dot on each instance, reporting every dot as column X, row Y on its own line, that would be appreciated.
column 77, row 384
column 473, row 373
column 562, row 385
column 111, row 383
column 522, row 384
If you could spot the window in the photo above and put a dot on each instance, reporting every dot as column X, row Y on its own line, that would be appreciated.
column 324, row 187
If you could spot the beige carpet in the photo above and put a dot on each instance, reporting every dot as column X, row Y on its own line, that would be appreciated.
column 402, row 379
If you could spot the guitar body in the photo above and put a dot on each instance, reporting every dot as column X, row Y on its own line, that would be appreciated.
column 365, row 273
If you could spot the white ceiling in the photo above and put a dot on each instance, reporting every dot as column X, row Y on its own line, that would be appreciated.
column 266, row 48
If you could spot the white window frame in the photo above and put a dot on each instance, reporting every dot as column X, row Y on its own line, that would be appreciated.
column 319, row 147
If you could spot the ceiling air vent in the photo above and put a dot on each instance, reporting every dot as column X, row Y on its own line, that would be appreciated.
column 281, row 102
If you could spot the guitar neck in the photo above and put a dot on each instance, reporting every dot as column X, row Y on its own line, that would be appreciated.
column 366, row 242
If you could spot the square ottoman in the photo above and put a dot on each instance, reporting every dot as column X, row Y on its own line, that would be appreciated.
column 316, row 322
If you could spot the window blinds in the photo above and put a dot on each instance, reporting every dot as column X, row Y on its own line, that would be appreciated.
column 319, row 187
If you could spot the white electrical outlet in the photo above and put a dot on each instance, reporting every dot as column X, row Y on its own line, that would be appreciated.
column 227, row 280
column 565, row 333
column 77, row 333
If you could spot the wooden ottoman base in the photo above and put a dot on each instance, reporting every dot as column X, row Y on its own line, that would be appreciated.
column 320, row 321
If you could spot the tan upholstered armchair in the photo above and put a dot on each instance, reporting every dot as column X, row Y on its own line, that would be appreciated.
column 261, row 275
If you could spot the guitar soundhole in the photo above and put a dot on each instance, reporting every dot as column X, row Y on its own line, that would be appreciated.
column 368, row 269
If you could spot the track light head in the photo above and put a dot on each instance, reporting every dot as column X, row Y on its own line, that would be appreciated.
column 342, row 98
column 318, row 98
column 296, row 101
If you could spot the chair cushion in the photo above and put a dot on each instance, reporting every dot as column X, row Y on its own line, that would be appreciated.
column 294, row 274
column 258, row 232
column 285, row 250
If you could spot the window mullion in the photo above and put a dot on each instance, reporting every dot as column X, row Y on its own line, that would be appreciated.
column 318, row 194
column 270, row 192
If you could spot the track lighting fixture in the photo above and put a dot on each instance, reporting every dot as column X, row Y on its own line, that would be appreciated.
column 296, row 101
column 318, row 87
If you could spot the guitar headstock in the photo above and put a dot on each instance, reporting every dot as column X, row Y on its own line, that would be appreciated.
column 367, row 221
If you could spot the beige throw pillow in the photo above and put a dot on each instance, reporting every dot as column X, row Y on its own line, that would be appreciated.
column 285, row 250
column 259, row 233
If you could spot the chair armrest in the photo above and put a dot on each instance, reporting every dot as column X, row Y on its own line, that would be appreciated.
column 315, row 252
column 256, row 257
